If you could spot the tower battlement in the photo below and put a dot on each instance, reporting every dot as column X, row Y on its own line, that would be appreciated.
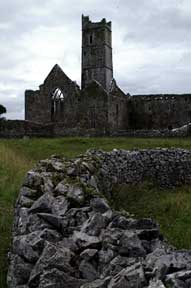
column 87, row 23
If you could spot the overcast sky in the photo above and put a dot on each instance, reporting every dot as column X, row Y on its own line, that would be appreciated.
column 151, row 44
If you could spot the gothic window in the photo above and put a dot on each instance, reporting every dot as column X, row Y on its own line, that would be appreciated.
column 57, row 102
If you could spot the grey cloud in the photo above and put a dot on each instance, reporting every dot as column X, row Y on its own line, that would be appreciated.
column 159, row 31
column 13, row 105
column 160, row 26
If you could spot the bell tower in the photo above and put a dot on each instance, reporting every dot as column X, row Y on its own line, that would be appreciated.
column 97, row 61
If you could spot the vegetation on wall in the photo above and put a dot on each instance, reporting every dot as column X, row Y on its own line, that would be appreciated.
column 3, row 110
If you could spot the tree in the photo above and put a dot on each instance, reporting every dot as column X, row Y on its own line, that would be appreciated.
column 2, row 110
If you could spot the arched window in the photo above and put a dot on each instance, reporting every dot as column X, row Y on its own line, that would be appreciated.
column 57, row 100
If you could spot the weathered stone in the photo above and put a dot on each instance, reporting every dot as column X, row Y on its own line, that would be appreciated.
column 28, row 246
column 130, row 223
column 162, row 263
column 117, row 264
column 94, row 225
column 105, row 256
column 43, row 204
column 25, row 202
column 77, row 216
column 33, row 180
column 53, row 257
column 83, row 240
column 55, row 278
column 18, row 273
column 108, row 215
column 61, row 189
column 99, row 205
column 99, row 283
column 88, row 254
column 35, row 223
column 132, row 276
column 130, row 245
column 178, row 279
column 48, row 186
column 92, row 182
column 50, row 235
column 60, row 206
column 111, row 237
column 57, row 165
column 54, row 220
column 72, row 171
column 69, row 243
column 21, row 221
column 88, row 271
column 156, row 284
column 75, row 194
column 120, row 222
column 30, row 193
column 89, row 166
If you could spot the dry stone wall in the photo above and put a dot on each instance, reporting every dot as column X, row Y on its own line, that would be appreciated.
column 65, row 233
column 21, row 128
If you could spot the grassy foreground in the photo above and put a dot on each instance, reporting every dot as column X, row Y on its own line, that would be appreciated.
column 172, row 209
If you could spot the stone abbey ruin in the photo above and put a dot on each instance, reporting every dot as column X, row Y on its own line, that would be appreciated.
column 100, row 104
column 66, row 234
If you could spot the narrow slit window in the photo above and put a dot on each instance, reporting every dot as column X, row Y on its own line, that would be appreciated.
column 91, row 39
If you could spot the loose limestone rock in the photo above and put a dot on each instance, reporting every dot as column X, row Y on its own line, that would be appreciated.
column 65, row 234
column 132, row 276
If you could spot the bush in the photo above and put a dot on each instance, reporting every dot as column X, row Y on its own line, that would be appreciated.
column 2, row 110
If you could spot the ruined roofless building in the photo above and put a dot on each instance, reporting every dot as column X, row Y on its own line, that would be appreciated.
column 97, row 61
column 99, row 104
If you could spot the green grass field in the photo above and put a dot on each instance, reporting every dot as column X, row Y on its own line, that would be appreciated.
column 172, row 208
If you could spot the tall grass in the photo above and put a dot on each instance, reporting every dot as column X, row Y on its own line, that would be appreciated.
column 169, row 207
column 12, row 169
column 18, row 156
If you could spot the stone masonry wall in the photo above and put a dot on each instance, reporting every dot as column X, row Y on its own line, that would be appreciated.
column 159, row 111
column 20, row 128
column 96, row 52
column 66, row 235
column 164, row 167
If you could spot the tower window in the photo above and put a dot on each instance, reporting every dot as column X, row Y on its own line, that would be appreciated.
column 91, row 39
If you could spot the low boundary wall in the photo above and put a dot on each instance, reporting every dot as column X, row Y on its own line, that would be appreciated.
column 22, row 128
column 66, row 234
